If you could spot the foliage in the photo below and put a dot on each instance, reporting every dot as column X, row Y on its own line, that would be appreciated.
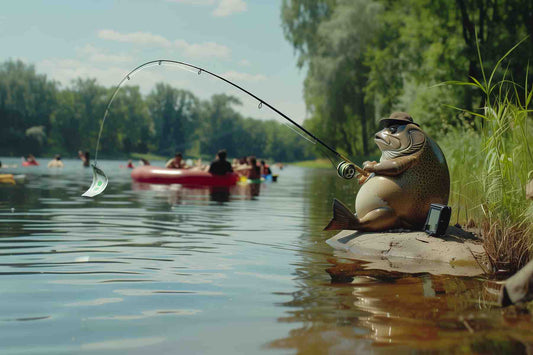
column 498, row 167
column 367, row 58
column 27, row 99
column 39, row 118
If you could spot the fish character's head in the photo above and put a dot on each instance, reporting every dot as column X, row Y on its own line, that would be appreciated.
column 399, row 137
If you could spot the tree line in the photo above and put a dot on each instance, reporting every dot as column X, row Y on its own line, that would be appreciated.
column 367, row 58
column 40, row 117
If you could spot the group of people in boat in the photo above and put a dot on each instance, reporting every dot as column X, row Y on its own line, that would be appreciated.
column 246, row 166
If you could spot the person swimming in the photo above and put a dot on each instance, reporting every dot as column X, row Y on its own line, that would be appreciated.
column 254, row 170
column 265, row 169
column 29, row 160
column 85, row 158
column 56, row 162
column 176, row 162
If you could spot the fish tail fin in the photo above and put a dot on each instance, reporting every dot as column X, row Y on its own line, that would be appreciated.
column 343, row 218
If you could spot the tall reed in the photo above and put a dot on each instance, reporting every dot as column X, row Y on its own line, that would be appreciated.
column 489, row 176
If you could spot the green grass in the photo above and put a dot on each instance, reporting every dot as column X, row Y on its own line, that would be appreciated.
column 491, row 161
column 317, row 163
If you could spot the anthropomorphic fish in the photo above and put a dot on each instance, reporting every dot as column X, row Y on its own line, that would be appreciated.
column 411, row 175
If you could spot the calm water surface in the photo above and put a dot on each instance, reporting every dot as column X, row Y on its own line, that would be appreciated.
column 145, row 268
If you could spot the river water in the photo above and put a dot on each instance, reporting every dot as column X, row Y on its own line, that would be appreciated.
column 167, row 269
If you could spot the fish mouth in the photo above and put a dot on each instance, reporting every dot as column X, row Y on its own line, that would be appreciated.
column 377, row 137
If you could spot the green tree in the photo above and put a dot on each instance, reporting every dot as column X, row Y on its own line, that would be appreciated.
column 27, row 99
column 338, row 73
column 175, row 115
column 132, row 127
column 218, row 123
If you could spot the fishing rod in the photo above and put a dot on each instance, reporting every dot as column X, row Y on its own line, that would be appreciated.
column 345, row 169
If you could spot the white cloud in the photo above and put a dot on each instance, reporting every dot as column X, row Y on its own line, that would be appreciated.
column 144, row 38
column 228, row 7
column 66, row 70
column 223, row 7
column 245, row 63
column 203, row 50
column 192, row 50
column 97, row 55
column 233, row 75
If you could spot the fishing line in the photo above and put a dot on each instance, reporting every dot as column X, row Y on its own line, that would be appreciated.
column 345, row 168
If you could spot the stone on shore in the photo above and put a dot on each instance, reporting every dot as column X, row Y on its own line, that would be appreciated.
column 457, row 253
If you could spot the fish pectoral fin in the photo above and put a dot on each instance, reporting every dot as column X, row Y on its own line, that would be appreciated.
column 343, row 218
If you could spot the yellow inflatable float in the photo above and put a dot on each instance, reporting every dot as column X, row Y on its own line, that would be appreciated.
column 7, row 179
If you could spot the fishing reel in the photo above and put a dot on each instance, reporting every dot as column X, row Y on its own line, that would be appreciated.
column 346, row 170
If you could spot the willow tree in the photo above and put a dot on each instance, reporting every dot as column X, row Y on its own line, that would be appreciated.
column 336, row 36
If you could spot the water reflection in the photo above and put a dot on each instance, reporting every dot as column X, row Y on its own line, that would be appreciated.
column 179, row 194
column 374, row 311
column 342, row 306
column 159, row 268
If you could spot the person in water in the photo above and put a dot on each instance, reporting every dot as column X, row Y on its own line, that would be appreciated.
column 176, row 162
column 265, row 169
column 240, row 166
column 220, row 166
column 56, row 162
column 144, row 162
column 30, row 159
column 252, row 171
column 85, row 158
column 130, row 165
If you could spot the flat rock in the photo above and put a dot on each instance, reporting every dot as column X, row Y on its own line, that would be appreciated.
column 457, row 253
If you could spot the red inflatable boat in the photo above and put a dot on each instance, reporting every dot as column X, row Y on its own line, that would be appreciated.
column 156, row 175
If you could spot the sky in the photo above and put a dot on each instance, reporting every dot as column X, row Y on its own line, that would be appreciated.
column 241, row 40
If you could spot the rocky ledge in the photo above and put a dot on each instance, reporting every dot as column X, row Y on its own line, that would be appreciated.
column 457, row 253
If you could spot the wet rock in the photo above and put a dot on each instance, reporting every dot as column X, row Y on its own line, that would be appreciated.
column 457, row 253
column 519, row 287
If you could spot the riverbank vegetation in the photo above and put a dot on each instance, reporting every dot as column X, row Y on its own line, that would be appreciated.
column 40, row 117
column 491, row 171
column 368, row 58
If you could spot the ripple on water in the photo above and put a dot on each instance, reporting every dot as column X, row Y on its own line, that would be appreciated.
column 158, row 268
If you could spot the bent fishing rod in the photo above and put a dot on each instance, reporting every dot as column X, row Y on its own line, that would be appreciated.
column 345, row 169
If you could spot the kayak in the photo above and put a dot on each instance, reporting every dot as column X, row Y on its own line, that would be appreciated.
column 155, row 175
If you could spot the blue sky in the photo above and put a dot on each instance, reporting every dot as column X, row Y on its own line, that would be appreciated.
column 239, row 39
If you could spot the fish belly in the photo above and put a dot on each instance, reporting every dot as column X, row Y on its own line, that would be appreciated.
column 376, row 192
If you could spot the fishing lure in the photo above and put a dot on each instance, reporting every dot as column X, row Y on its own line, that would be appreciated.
column 345, row 168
